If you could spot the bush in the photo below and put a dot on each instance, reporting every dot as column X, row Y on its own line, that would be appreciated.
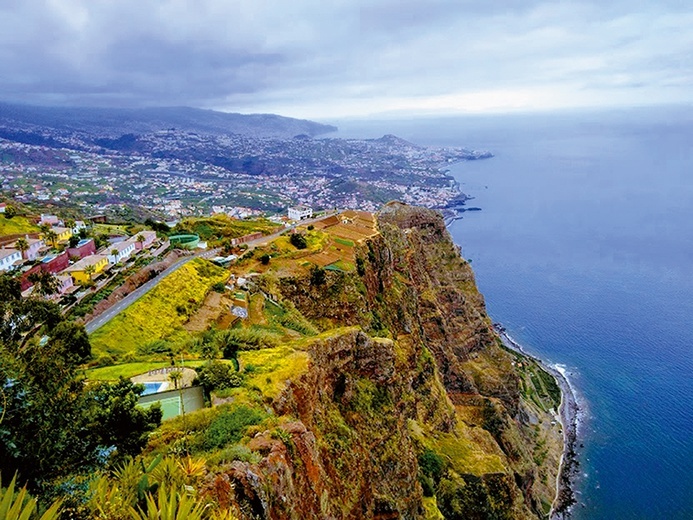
column 298, row 241
column 229, row 427
column 216, row 375
column 317, row 276
column 219, row 287
column 265, row 259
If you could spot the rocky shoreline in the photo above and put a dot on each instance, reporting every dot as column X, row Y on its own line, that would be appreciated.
column 570, row 417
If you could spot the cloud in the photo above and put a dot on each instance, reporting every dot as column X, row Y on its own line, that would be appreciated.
column 312, row 58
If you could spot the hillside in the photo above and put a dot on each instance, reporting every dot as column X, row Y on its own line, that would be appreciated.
column 416, row 404
column 376, row 389
column 118, row 121
column 344, row 370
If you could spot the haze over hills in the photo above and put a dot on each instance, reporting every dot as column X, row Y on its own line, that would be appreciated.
column 113, row 122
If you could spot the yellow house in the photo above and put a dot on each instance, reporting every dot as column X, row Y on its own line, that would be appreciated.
column 63, row 233
column 88, row 267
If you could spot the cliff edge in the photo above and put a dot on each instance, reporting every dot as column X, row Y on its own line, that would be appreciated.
column 409, row 405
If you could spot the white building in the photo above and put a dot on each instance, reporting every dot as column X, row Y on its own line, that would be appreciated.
column 8, row 257
column 35, row 246
column 300, row 212
column 3, row 207
column 120, row 251
column 79, row 225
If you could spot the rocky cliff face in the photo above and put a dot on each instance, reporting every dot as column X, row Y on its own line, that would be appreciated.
column 410, row 407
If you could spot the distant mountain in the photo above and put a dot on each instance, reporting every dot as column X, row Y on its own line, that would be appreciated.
column 114, row 122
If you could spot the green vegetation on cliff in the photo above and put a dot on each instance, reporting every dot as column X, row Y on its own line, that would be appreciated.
column 377, row 390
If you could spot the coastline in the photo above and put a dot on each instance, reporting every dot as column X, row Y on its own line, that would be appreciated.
column 569, row 419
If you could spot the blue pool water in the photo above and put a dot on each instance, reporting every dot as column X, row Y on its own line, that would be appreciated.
column 153, row 388
column 584, row 251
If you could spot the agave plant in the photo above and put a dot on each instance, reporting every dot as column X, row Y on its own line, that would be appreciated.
column 22, row 506
column 192, row 469
column 170, row 505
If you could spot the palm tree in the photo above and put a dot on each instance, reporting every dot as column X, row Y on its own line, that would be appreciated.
column 70, row 223
column 140, row 239
column 175, row 377
column 22, row 244
column 52, row 237
column 89, row 270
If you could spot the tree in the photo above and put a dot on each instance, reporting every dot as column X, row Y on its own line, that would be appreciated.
column 72, row 342
column 140, row 238
column 116, row 419
column 317, row 276
column 83, row 233
column 175, row 377
column 228, row 343
column 51, row 423
column 89, row 270
column 52, row 237
column 74, row 240
column 10, row 212
column 265, row 259
column 22, row 245
column 298, row 241
column 217, row 375
column 45, row 283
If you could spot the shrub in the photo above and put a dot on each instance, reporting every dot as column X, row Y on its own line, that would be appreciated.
column 229, row 427
column 298, row 241
column 216, row 375
column 265, row 259
column 317, row 276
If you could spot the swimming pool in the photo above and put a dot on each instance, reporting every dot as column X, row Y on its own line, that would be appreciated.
column 154, row 387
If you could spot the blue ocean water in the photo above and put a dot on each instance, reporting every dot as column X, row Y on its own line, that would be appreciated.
column 584, row 251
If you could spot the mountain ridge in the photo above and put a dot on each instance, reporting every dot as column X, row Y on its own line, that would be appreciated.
column 113, row 122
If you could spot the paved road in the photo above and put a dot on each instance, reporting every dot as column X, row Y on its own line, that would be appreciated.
column 135, row 295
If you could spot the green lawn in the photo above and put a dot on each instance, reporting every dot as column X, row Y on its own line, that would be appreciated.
column 126, row 370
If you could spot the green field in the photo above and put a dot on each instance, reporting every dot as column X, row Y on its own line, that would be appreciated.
column 16, row 225
column 219, row 227
column 160, row 313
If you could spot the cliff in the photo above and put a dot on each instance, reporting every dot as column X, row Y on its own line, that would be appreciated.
column 405, row 405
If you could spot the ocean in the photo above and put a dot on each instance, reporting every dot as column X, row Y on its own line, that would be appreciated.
column 583, row 249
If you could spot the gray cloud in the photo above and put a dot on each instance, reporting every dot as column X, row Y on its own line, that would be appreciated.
column 316, row 58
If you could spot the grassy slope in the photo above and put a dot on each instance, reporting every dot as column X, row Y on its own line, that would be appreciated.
column 16, row 225
column 160, row 313
column 221, row 226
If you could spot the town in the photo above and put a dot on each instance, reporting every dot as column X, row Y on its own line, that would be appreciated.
column 172, row 173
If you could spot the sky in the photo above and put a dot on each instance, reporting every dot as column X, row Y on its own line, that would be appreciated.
column 347, row 58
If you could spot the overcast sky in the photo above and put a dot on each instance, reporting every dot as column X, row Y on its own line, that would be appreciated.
column 334, row 58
